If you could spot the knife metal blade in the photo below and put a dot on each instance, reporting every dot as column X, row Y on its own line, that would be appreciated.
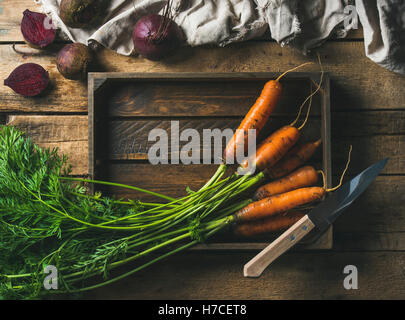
column 333, row 206
column 320, row 217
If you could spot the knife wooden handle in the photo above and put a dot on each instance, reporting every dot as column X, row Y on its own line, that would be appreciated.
column 294, row 234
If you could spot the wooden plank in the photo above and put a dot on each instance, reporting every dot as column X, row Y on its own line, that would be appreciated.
column 357, row 82
column 129, row 138
column 367, row 241
column 379, row 209
column 68, row 134
column 10, row 18
column 365, row 124
column 292, row 276
column 12, row 10
column 189, row 94
column 368, row 150
column 164, row 178
column 51, row 130
column 355, row 34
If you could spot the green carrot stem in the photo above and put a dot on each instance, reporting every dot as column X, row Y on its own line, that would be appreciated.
column 161, row 236
column 144, row 204
column 221, row 169
column 136, row 269
column 136, row 256
column 186, row 246
column 121, row 186
column 170, row 214
column 163, row 205
column 234, row 208
column 16, row 276
column 101, row 226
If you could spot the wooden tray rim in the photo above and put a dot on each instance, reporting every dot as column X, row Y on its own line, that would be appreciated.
column 97, row 79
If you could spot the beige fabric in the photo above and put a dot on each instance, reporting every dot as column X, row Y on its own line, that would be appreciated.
column 217, row 22
column 303, row 24
column 383, row 23
column 203, row 22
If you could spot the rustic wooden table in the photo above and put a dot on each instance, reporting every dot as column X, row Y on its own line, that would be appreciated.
column 368, row 104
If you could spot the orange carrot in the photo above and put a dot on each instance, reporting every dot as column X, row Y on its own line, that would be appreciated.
column 295, row 158
column 257, row 116
column 272, row 224
column 279, row 203
column 275, row 147
column 303, row 177
column 272, row 149
column 285, row 201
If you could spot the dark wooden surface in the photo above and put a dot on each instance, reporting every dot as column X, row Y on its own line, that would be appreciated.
column 368, row 104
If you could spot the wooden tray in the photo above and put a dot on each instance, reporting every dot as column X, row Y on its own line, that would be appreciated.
column 124, row 107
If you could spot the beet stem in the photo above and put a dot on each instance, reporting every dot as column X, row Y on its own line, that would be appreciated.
column 164, row 25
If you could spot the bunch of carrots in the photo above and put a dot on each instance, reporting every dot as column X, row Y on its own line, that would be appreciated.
column 281, row 162
column 82, row 243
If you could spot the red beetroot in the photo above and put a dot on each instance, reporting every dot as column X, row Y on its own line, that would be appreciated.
column 37, row 29
column 73, row 61
column 29, row 80
column 83, row 13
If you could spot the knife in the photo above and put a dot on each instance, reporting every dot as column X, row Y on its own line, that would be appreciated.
column 320, row 218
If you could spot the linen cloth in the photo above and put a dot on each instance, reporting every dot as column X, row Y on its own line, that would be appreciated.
column 303, row 24
column 383, row 22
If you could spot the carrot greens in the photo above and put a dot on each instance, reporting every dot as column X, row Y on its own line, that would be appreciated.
column 49, row 218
